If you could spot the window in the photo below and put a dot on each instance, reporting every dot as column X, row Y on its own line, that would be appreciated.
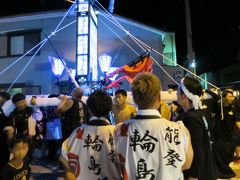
column 18, row 43
column 21, row 88
column 31, row 40
column 3, row 46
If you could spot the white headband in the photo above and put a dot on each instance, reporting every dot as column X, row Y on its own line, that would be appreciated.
column 197, row 103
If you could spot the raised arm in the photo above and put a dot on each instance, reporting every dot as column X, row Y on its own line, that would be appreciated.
column 66, row 104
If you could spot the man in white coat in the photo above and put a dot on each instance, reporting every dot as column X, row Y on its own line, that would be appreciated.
column 149, row 146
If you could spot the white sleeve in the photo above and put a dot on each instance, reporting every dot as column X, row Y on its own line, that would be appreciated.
column 37, row 114
column 8, row 107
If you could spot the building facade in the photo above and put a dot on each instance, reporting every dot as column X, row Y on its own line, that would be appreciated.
column 32, row 73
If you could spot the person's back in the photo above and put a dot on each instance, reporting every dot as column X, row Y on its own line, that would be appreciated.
column 93, row 150
column 73, row 112
column 71, row 118
column 91, row 147
column 149, row 146
column 158, row 145
column 199, row 124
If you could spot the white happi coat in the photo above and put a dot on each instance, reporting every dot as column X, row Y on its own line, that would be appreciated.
column 152, row 148
column 90, row 152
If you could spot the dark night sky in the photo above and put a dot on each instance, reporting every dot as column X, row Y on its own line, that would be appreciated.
column 215, row 24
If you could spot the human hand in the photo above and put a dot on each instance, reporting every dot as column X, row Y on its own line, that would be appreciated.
column 170, row 90
column 64, row 97
column 70, row 176
column 9, row 130
column 33, row 100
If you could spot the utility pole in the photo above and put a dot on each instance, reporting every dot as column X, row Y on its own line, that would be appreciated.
column 191, row 56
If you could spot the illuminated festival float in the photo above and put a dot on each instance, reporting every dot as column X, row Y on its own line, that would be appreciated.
column 88, row 47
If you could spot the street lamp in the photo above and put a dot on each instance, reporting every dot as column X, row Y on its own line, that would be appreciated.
column 104, row 62
column 57, row 66
column 193, row 66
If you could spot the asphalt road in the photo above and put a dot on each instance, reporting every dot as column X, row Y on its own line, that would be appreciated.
column 44, row 170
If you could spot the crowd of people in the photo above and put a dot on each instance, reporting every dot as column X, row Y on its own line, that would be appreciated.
column 191, row 138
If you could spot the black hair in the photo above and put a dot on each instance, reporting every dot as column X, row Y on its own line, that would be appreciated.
column 18, row 138
column 121, row 91
column 99, row 103
column 53, row 95
column 18, row 97
column 193, row 86
column 5, row 95
column 227, row 91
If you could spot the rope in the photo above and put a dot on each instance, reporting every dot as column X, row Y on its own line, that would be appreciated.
column 64, row 64
column 53, row 33
column 115, row 57
column 110, row 15
column 42, row 44
column 148, row 47
column 127, row 32
column 140, row 43
column 184, row 68
column 20, row 58
column 26, row 66
column 116, row 23
column 119, row 37
column 165, row 71
column 134, row 38
column 64, row 17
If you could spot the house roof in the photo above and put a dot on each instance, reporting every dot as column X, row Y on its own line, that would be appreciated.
column 60, row 13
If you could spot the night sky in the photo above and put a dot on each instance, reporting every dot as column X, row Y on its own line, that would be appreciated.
column 215, row 24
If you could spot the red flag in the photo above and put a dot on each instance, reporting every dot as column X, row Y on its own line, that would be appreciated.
column 144, row 65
